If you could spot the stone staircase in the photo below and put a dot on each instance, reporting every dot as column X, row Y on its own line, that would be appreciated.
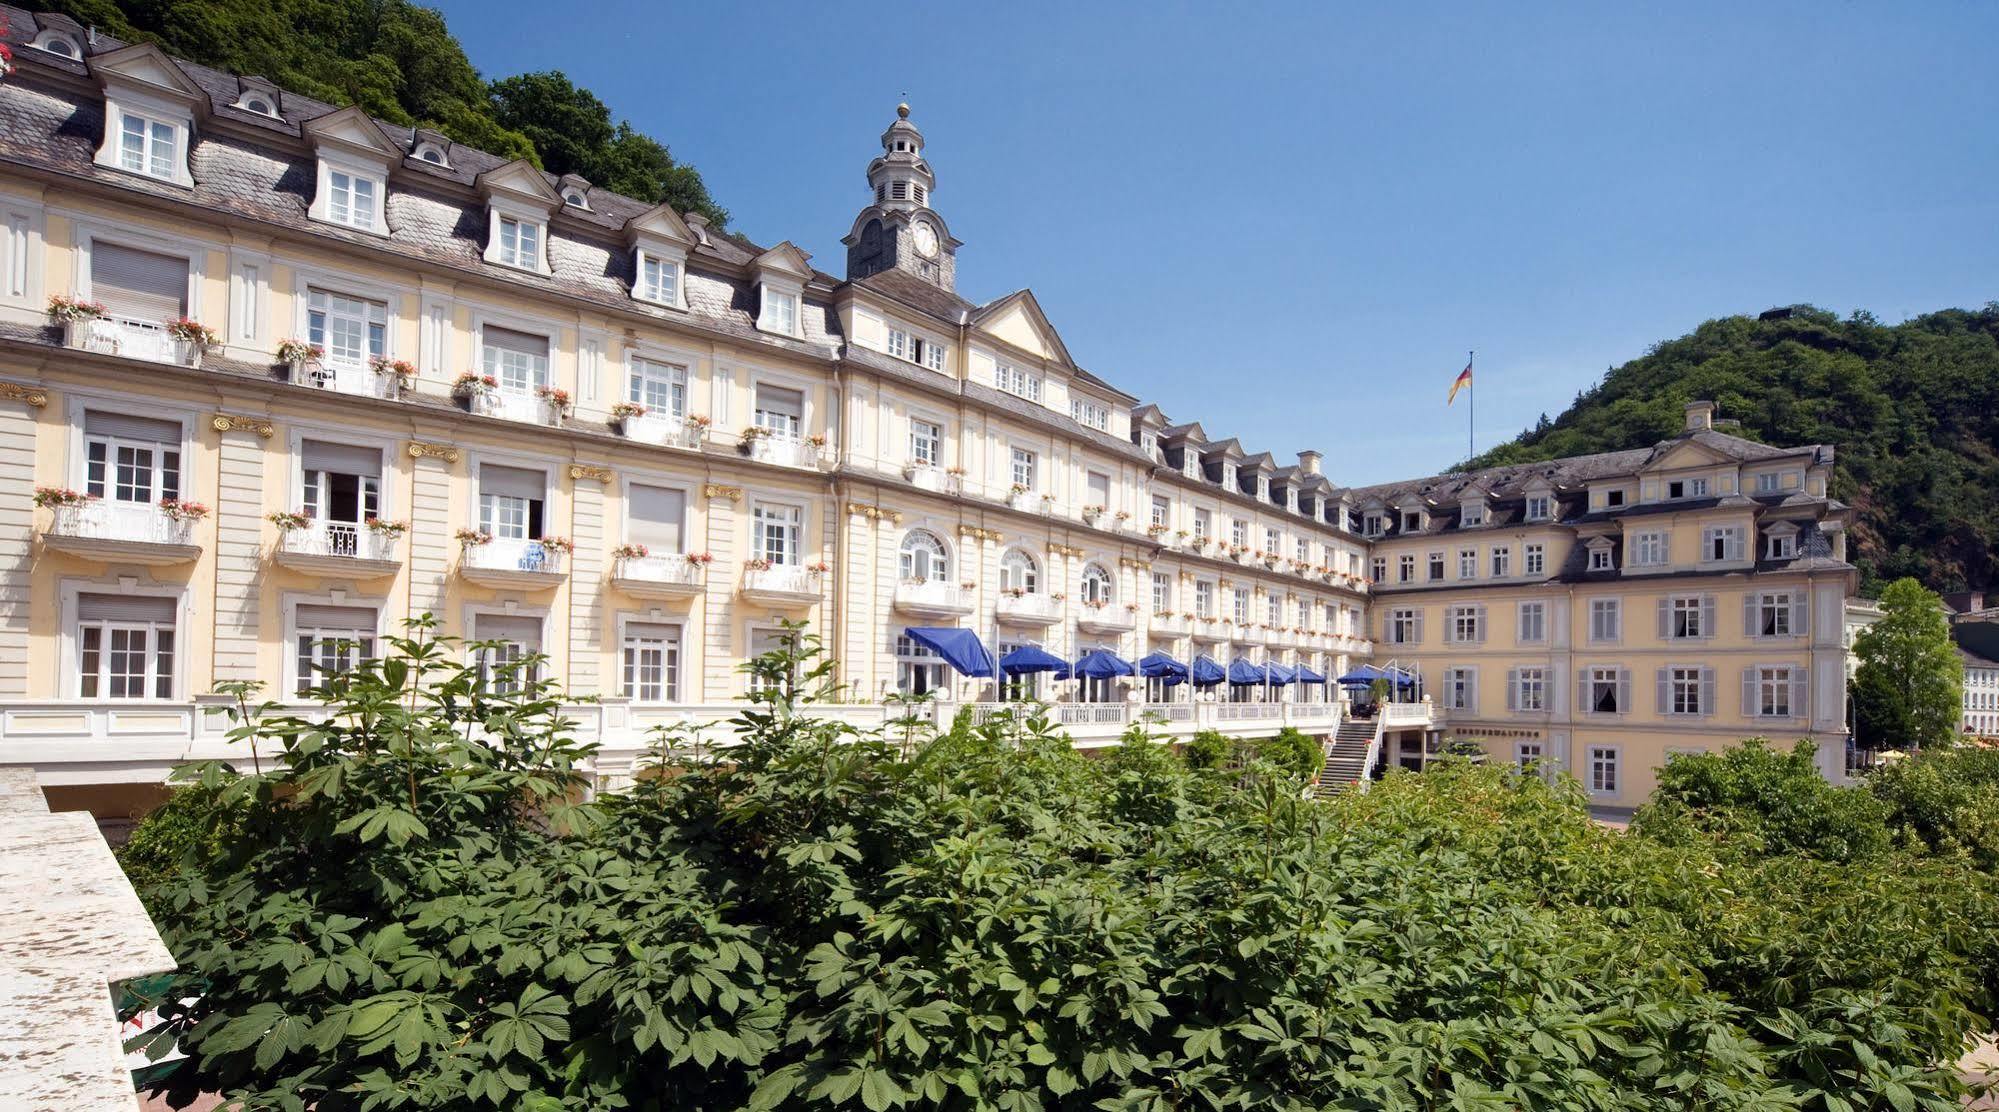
column 1346, row 758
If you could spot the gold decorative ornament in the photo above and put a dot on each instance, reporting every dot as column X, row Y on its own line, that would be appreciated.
column 224, row 422
column 586, row 471
column 29, row 395
column 717, row 490
column 420, row 450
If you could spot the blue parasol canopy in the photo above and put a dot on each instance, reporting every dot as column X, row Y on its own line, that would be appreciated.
column 1102, row 664
column 1028, row 659
column 1159, row 665
column 960, row 648
column 1307, row 675
column 1279, row 674
column 1242, row 671
column 1205, row 673
column 1362, row 676
column 1401, row 677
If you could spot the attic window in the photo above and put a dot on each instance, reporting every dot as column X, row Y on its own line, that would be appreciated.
column 1540, row 507
column 60, row 45
column 574, row 199
column 258, row 104
column 1473, row 514
column 1613, row 498
column 428, row 152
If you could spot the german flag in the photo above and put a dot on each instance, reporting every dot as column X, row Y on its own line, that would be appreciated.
column 1463, row 380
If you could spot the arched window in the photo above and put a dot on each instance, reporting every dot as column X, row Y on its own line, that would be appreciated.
column 1096, row 585
column 59, row 44
column 429, row 152
column 923, row 557
column 575, row 199
column 1018, row 572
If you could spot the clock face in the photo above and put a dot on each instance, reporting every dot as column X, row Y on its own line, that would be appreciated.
column 926, row 241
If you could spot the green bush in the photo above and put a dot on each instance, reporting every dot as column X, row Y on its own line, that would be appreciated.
column 1208, row 749
column 1774, row 801
column 422, row 911
column 1299, row 757
column 187, row 831
column 1946, row 801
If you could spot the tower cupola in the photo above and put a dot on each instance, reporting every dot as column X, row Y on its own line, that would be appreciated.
column 900, row 178
column 899, row 230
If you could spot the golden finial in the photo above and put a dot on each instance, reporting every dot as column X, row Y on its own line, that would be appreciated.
column 902, row 111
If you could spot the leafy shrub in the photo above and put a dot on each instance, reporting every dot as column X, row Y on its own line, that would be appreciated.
column 1298, row 756
column 422, row 911
column 1946, row 801
column 1207, row 749
column 1777, row 801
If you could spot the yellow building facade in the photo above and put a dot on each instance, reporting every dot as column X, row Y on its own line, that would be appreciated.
column 568, row 423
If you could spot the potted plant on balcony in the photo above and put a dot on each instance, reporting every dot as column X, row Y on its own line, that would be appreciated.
column 746, row 441
column 296, row 356
column 472, row 538
column 1092, row 513
column 756, row 563
column 472, row 385
column 557, row 400
column 624, row 413
column 697, row 423
column 289, row 521
column 630, row 552
column 968, row 585
column 50, row 498
column 819, row 567
column 75, row 315
column 388, row 530
column 1014, row 592
column 1121, row 518
column 700, row 559
column 181, row 509
column 1156, row 531
column 191, row 339
column 556, row 544
column 403, row 370
column 817, row 440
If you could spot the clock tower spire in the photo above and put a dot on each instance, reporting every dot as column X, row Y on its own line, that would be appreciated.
column 900, row 231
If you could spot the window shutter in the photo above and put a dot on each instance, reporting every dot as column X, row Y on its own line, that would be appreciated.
column 1624, row 691
column 1749, row 614
column 1665, row 619
column 515, row 482
column 1480, row 628
column 348, row 619
column 1800, row 614
column 1471, row 691
column 1798, row 709
column 1582, row 689
column 1665, row 693
column 96, row 422
column 1551, row 698
column 1707, row 617
column 1707, row 692
column 653, row 517
column 774, row 399
column 1752, row 704
column 141, row 285
column 346, row 459
column 507, row 339
column 1513, row 689
column 124, row 608
column 508, row 627
column 1419, row 628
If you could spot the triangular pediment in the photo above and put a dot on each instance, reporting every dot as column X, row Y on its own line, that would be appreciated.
column 1684, row 453
column 354, row 129
column 660, row 222
column 149, row 67
column 786, row 258
column 1017, row 319
column 520, row 179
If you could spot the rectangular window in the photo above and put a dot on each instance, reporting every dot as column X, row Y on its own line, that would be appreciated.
column 1466, row 625
column 1606, row 620
column 130, row 459
column 509, row 642
column 1773, row 614
column 331, row 641
column 1204, row 523
column 1436, row 567
column 1602, row 770
column 1461, row 689
column 1239, row 608
column 1606, row 690
column 1600, row 558
column 1766, row 483
column 1302, row 551
column 1470, row 514
column 1239, row 533
column 1098, row 485
column 652, row 663
column 1540, row 507
column 1687, row 488
column 1023, row 469
column 1405, row 568
column 659, row 280
column 1377, row 569
column 899, row 345
column 1682, row 691
column 780, row 410
column 918, row 669
column 1527, row 754
column 1780, row 546
column 1373, row 525
column 1530, row 690
column 125, row 646
column 135, row 285
column 350, row 330
column 1405, row 627
column 1686, row 618
column 1273, row 541
column 1204, row 598
column 1093, row 414
column 776, row 534
column 1015, row 381
column 511, row 501
column 1613, row 498
column 518, row 361
column 1649, row 549
column 781, row 311
column 1273, row 610
column 1774, row 690
column 520, row 243
column 656, row 517
column 1533, row 623
column 1162, row 511
column 660, row 387
column 1502, row 563
column 926, row 442
column 932, row 355
column 1721, row 542
column 148, row 147
column 350, row 199
column 1162, row 592
column 1468, row 563
column 340, row 487
column 1536, row 559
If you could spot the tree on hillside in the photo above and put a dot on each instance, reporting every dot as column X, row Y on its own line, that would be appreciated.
column 1909, row 668
column 400, row 62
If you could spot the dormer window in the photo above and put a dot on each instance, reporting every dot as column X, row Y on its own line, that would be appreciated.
column 1540, row 507
column 1600, row 557
column 431, row 153
column 520, row 243
column 1373, row 525
column 259, row 104
column 58, row 44
column 1471, row 513
column 1263, row 487
column 780, row 312
column 574, row 199
column 659, row 280
column 1612, row 499
column 147, row 146
column 1412, row 521
column 1096, row 415
column 351, row 199
column 1149, row 444
column 1017, row 382
column 1229, row 477
column 1686, row 488
column 1190, row 463
column 149, row 110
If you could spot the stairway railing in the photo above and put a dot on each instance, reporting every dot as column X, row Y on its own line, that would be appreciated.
column 1373, row 753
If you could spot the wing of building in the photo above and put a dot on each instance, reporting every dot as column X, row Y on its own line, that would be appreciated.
column 576, row 424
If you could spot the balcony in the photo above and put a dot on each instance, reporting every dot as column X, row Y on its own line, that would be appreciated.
column 1033, row 610
column 930, row 477
column 932, row 599
column 342, row 548
column 133, row 339
column 784, row 451
column 1105, row 619
column 510, row 406
column 669, row 576
column 512, row 563
column 1025, row 501
column 1248, row 712
column 781, row 585
column 663, row 429
column 1168, row 625
column 1209, row 629
column 122, row 533
column 343, row 377
column 1242, row 633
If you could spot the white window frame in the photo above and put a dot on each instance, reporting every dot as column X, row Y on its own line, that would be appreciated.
column 1540, row 507
column 1013, row 380
column 1649, row 549
column 646, row 376
column 1605, row 770
column 71, row 640
column 673, row 659
column 926, row 442
column 765, row 515
column 658, row 279
column 1606, row 621
column 1023, row 467
column 1530, row 680
column 365, row 646
column 345, row 203
column 1534, row 559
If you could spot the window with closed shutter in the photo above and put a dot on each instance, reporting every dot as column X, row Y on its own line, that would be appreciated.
column 510, row 501
column 138, row 285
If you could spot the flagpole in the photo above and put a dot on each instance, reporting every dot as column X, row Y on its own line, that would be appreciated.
column 1471, row 410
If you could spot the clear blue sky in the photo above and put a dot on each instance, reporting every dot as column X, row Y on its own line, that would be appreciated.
column 1292, row 221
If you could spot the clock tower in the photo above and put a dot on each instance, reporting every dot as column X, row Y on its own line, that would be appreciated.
column 900, row 231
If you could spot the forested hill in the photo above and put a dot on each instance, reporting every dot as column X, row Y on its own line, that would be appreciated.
column 402, row 64
column 1913, row 409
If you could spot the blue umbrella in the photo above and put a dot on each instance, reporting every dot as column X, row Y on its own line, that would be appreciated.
column 1280, row 675
column 1402, row 678
column 1307, row 675
column 960, row 648
column 1163, row 668
column 1101, row 664
column 1028, row 659
column 1363, row 676
column 1205, row 673
column 1242, row 671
